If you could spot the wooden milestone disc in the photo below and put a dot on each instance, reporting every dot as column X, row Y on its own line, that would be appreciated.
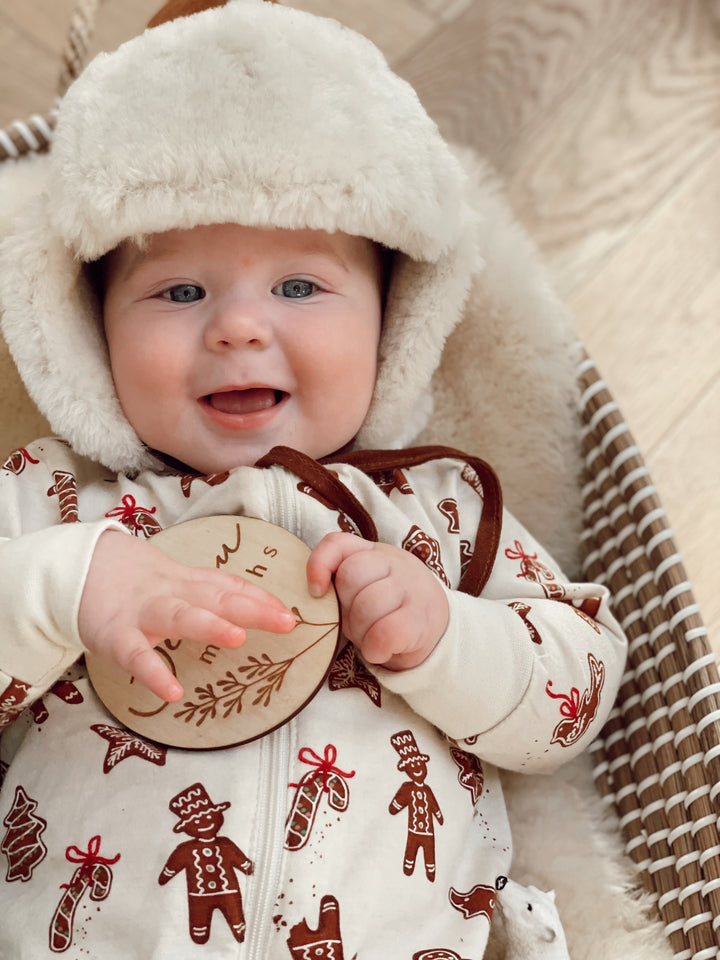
column 232, row 695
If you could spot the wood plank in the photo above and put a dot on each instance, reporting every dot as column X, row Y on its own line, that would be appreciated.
column 118, row 22
column 620, row 143
column 45, row 22
column 591, row 112
column 32, row 37
column 28, row 73
column 503, row 64
column 686, row 468
column 649, row 316
column 445, row 10
column 396, row 28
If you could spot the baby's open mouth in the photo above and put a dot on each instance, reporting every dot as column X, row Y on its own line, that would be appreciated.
column 245, row 401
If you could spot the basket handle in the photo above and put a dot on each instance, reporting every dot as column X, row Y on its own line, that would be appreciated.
column 34, row 134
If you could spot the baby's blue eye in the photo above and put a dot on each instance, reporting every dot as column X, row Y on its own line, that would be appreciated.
column 184, row 293
column 295, row 289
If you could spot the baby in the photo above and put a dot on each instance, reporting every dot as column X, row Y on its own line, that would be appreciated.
column 205, row 307
column 252, row 338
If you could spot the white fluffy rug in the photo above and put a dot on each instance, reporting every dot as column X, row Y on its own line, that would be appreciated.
column 564, row 839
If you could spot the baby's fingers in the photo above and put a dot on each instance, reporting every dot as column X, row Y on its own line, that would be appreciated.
column 328, row 555
column 169, row 618
column 238, row 602
column 135, row 655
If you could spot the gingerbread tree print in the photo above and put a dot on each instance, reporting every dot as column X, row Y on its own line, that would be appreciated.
column 22, row 844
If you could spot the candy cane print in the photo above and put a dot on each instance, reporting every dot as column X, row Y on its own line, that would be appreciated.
column 61, row 928
column 325, row 778
column 65, row 489
column 93, row 873
column 101, row 882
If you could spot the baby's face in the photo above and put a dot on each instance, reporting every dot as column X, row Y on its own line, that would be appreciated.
column 227, row 340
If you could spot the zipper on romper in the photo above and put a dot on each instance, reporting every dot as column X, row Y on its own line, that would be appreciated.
column 272, row 792
column 274, row 773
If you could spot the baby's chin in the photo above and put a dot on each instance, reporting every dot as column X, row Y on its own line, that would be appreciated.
column 224, row 463
column 202, row 467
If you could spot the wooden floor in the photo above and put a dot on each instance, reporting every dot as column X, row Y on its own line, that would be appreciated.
column 604, row 120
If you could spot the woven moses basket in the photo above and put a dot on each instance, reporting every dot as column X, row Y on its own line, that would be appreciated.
column 657, row 763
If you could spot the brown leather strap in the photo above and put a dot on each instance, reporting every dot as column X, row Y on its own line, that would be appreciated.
column 371, row 462
column 487, row 539
column 325, row 482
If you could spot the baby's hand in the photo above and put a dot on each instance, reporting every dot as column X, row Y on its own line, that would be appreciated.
column 394, row 609
column 136, row 596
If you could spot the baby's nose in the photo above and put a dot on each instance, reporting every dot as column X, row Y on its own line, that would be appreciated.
column 238, row 323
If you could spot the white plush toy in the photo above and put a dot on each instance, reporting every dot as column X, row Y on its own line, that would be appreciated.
column 531, row 921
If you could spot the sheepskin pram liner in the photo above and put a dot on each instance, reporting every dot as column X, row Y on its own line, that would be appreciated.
column 657, row 762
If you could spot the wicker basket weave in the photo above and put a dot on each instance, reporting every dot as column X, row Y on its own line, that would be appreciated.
column 34, row 134
column 657, row 762
column 658, row 759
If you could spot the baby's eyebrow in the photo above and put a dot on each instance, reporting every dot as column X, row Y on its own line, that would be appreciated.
column 332, row 255
column 138, row 257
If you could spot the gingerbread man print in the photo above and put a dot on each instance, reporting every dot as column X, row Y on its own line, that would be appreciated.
column 210, row 863
column 418, row 798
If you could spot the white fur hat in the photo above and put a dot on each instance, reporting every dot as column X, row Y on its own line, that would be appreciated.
column 254, row 113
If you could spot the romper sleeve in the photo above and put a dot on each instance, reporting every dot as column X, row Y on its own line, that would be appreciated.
column 527, row 671
column 42, row 575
